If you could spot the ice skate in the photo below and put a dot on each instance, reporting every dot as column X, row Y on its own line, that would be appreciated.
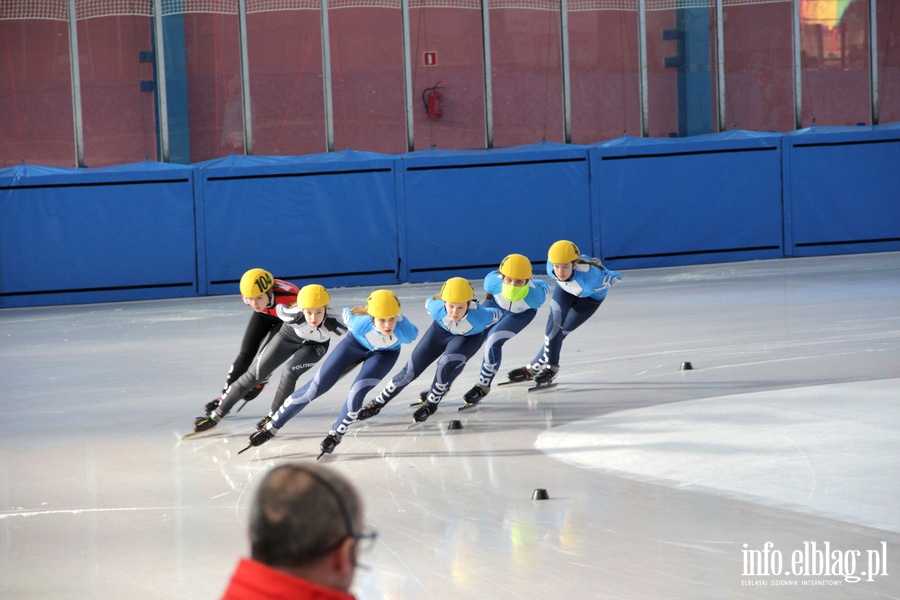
column 369, row 410
column 474, row 396
column 423, row 397
column 258, row 438
column 212, row 405
column 202, row 424
column 206, row 423
column 545, row 378
column 264, row 421
column 519, row 375
column 423, row 412
column 330, row 443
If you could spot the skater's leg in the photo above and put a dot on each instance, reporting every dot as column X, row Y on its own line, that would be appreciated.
column 505, row 329
column 324, row 379
column 270, row 358
column 259, row 331
column 375, row 368
column 459, row 350
column 302, row 361
column 423, row 355
column 560, row 304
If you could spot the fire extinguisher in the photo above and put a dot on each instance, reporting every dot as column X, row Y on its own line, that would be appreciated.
column 431, row 97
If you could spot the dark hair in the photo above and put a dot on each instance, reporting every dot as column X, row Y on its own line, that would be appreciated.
column 300, row 514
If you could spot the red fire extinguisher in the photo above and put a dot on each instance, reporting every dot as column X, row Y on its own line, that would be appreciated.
column 432, row 99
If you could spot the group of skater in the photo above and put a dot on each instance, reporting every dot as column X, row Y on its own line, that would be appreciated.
column 294, row 327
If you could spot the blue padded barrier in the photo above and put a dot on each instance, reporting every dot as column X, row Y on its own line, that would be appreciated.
column 703, row 199
column 155, row 230
column 461, row 212
column 324, row 218
column 96, row 235
column 842, row 190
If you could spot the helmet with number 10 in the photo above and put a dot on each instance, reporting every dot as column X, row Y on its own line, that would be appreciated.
column 255, row 282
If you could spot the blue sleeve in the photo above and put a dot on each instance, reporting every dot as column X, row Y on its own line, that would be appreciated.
column 537, row 293
column 591, row 280
column 482, row 317
column 436, row 308
column 406, row 331
column 493, row 283
column 354, row 322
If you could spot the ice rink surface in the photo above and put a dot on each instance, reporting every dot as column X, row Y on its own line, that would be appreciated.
column 769, row 470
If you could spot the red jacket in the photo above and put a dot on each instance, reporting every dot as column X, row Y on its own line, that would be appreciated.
column 255, row 581
column 284, row 292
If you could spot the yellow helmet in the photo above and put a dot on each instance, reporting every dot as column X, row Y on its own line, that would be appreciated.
column 516, row 266
column 313, row 296
column 562, row 252
column 256, row 282
column 457, row 289
column 383, row 304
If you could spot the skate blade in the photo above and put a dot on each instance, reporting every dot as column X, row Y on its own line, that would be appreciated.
column 245, row 449
column 466, row 407
column 415, row 404
column 416, row 425
column 191, row 434
column 515, row 382
column 539, row 387
column 242, row 406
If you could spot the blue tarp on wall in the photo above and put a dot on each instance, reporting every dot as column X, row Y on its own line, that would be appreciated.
column 462, row 211
column 154, row 230
column 324, row 218
column 93, row 235
column 707, row 198
column 842, row 190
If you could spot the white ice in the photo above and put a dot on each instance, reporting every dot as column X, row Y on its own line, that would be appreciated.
column 661, row 481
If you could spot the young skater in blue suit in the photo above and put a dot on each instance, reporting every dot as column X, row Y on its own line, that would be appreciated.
column 581, row 286
column 456, row 333
column 377, row 331
column 512, row 291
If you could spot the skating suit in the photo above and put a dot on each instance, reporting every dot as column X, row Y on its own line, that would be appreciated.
column 573, row 302
column 298, row 343
column 364, row 344
column 516, row 315
column 451, row 344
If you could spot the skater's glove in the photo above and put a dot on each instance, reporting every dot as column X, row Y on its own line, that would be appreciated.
column 255, row 391
column 611, row 278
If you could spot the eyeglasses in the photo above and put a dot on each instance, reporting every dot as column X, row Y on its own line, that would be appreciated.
column 365, row 541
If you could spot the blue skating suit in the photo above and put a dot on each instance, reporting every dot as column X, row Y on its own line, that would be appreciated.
column 363, row 344
column 515, row 316
column 573, row 302
column 451, row 344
